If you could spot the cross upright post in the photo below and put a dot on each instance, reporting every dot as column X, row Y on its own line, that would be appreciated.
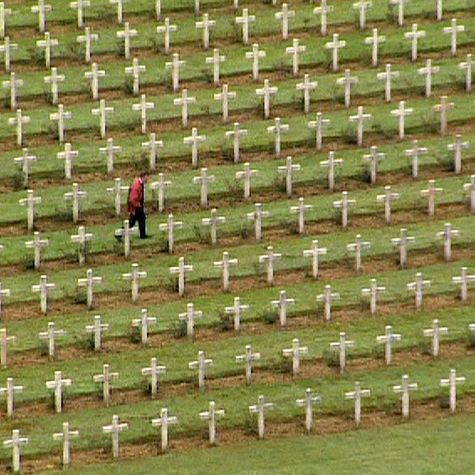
column 248, row 358
column 319, row 124
column 342, row 347
column 154, row 370
column 388, row 339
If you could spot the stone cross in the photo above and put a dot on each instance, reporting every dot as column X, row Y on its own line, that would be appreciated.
column 418, row 287
column 267, row 92
column 80, row 7
column 277, row 130
column 374, row 157
column 387, row 198
column 470, row 189
column 308, row 402
column 356, row 395
column 20, row 121
column 127, row 34
column 143, row 106
column 58, row 385
column 164, row 421
column 4, row 14
column 224, row 96
column 110, row 151
column 401, row 112
column 3, row 293
column 431, row 193
column 387, row 77
column 315, row 252
column 402, row 241
column 428, row 71
column 319, row 124
column 335, row 46
column 13, row 84
column 181, row 270
column 225, row 264
column 106, row 378
column 260, row 408
column 97, row 328
column 248, row 358
column 443, row 108
column 37, row 245
column 68, row 154
column 362, row 6
column 463, row 281
column 439, row 9
column 9, row 390
column 142, row 324
column 120, row 9
column 184, row 101
column 447, row 235
column 43, row 289
column 295, row 50
column 452, row 383
column 373, row 293
column 75, row 196
column 283, row 16
column 306, row 87
column 16, row 443
column 41, row 8
column 300, row 210
column 360, row 118
column 30, row 202
column 414, row 36
column 47, row 44
column 115, row 429
column 245, row 20
column 154, row 370
column 211, row 415
column 175, row 64
column 375, row 41
column 358, row 247
column 255, row 55
column 93, row 77
column 90, row 281
column 153, row 145
column 387, row 339
column 342, row 347
column 269, row 259
column 282, row 306
column 344, row 204
column 295, row 352
column 216, row 61
column 257, row 215
column 135, row 276
column 7, row 49
column 457, row 148
column 453, row 30
column 204, row 180
column 135, row 71
column 246, row 176
column 50, row 336
column 65, row 436
column 414, row 153
column 347, row 82
column 288, row 170
column 323, row 10
column 82, row 239
column 400, row 10
column 169, row 227
column 103, row 112
column 201, row 364
column 236, row 135
column 405, row 387
column 435, row 333
column 5, row 341
column 236, row 311
column 206, row 25
column 88, row 38
column 166, row 29
column 125, row 233
column 467, row 66
column 331, row 164
column 213, row 222
column 189, row 317
column 61, row 116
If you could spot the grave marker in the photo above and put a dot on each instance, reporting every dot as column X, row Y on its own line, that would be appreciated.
column 37, row 245
column 213, row 222
column 103, row 113
column 401, row 112
column 319, row 124
column 288, row 171
column 164, row 421
column 387, row 198
column 30, row 202
column 47, row 44
column 60, row 117
column 356, row 395
column 236, row 310
column 248, row 358
column 296, row 352
column 105, row 379
column 166, row 29
column 189, row 317
column 110, row 151
column 58, row 385
column 284, row 16
column 97, row 328
column 447, row 235
column 135, row 71
column 127, row 34
column 65, row 436
column 211, row 415
column 405, row 389
column 247, row 174
column 453, row 30
column 50, row 336
column 388, row 339
column 16, row 443
column 282, row 306
column 89, row 282
column 323, row 10
column 452, row 383
column 457, row 147
column 7, row 49
column 418, row 287
column 200, row 365
column 428, row 71
column 93, row 77
column 235, row 135
column 154, row 370
column 347, row 81
column 295, row 50
column 13, row 84
column 256, row 54
column 206, row 25
column 181, row 270
column 414, row 153
column 300, row 210
column 19, row 121
column 306, row 87
column 115, row 429
column 224, row 96
column 277, row 130
column 360, row 119
column 267, row 92
column 260, row 408
column 5, row 341
column 43, row 288
column 75, row 196
column 373, row 293
column 342, row 347
column 435, row 333
column 335, row 46
column 374, row 40
column 430, row 193
column 463, row 281
column 344, row 204
column 387, row 77
column 41, row 8
column 245, row 20
column 143, row 106
column 153, row 145
column 87, row 39
column 269, row 259
column 414, row 35
column 142, row 324
column 135, row 276
column 257, row 216
column 443, row 108
column 169, row 227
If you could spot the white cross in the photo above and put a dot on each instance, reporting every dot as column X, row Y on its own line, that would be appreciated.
column 93, row 76
column 194, row 140
column 358, row 247
column 428, row 72
column 373, row 292
column 142, row 324
column 435, row 332
column 41, row 8
column 457, row 148
column 43, row 289
column 61, row 116
column 5, row 341
column 4, row 14
column 169, row 227
column 110, row 151
column 201, row 364
column 213, row 222
column 443, row 108
column 163, row 421
column 88, row 38
column 347, row 82
column 68, row 154
column 405, row 389
column 387, row 198
column 463, row 281
column 418, row 287
column 97, row 328
column 269, row 259
column 295, row 50
column 452, row 384
column 206, row 25
column 387, row 77
column 235, row 135
column 257, row 215
column 224, row 96
column 66, row 435
column 467, row 66
column 245, row 20
column 106, row 378
column 400, row 10
column 16, row 443
column 236, row 311
column 331, row 164
column 166, row 29
column 335, row 46
column 37, row 245
column 255, row 55
column 189, row 317
column 414, row 36
column 75, row 196
column 295, row 352
column 175, row 64
column 319, row 124
column 248, row 358
column 288, row 170
column 9, row 390
column 282, row 306
column 470, row 189
column 415, row 153
column 360, row 118
column 306, row 87
column 260, row 409
column 20, row 121
column 216, row 61
column 31, row 201
column 103, row 112
column 323, row 11
column 181, row 270
column 184, row 101
column 300, row 210
column 315, row 252
column 47, row 44
column 211, row 415
column 362, row 6
column 277, row 130
column 159, row 188
column 387, row 339
column 153, row 145
column 58, row 385
column 225, row 264
column 90, row 281
column 154, row 370
column 374, row 41
column 7, row 49
column 453, row 30
column 246, row 176
column 50, row 336
column 13, row 84
column 115, row 429
column 401, row 112
column 327, row 298
column 80, row 7
column 402, row 241
column 341, row 346
column 127, row 34
column 267, row 92
column 431, row 193
column 204, row 180
column 143, row 106
column 120, row 9
column 135, row 71
column 308, row 402
column 356, row 395
column 284, row 15
column 135, row 276
column 344, row 204
column 447, row 235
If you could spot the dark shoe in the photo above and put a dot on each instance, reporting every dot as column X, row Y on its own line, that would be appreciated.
column 148, row 236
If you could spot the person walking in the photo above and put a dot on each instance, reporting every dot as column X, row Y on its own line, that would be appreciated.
column 136, row 204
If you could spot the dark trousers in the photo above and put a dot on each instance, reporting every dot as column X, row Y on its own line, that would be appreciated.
column 140, row 218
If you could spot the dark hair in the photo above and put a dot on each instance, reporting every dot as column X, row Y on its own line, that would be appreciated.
column 144, row 173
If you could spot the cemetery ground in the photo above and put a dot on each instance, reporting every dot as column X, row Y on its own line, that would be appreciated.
column 311, row 264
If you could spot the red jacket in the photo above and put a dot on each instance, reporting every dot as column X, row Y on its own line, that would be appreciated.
column 136, row 195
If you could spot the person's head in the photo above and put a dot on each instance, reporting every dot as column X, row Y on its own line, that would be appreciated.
column 144, row 175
